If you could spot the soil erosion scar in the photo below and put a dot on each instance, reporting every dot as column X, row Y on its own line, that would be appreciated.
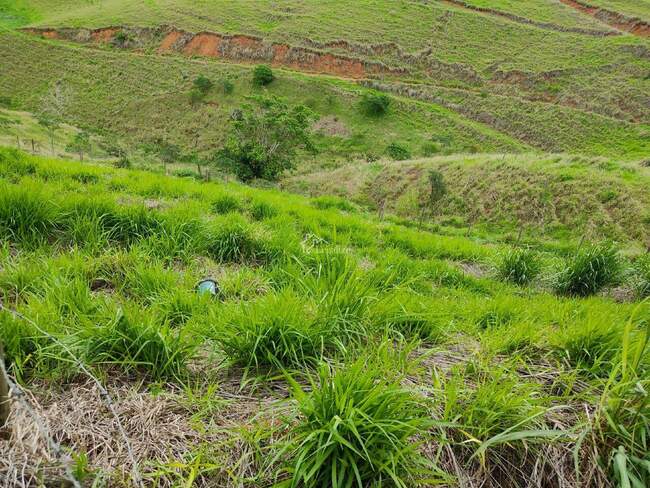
column 241, row 48
column 619, row 21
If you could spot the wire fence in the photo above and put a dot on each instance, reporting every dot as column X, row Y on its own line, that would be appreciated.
column 17, row 393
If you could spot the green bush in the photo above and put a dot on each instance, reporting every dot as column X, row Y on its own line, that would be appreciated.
column 397, row 152
column 519, row 266
column 589, row 271
column 202, row 84
column 227, row 86
column 262, row 75
column 374, row 104
column 357, row 430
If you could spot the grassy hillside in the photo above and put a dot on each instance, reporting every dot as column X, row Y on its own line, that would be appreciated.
column 553, row 196
column 101, row 265
column 141, row 98
column 546, row 88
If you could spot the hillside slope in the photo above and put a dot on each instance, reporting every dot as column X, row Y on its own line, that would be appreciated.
column 100, row 268
column 549, row 196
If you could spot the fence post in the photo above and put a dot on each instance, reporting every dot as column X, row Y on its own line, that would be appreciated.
column 4, row 393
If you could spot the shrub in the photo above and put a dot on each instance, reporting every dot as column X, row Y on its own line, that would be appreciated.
column 262, row 75
column 375, row 104
column 590, row 271
column 519, row 266
column 123, row 163
column 202, row 84
column 6, row 102
column 397, row 152
column 357, row 429
column 227, row 86
column 187, row 173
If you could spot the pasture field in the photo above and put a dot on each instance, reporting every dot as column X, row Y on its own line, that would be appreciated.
column 339, row 347
column 310, row 244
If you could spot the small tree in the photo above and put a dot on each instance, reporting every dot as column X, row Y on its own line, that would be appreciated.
column 227, row 86
column 429, row 201
column 167, row 152
column 201, row 86
column 374, row 104
column 263, row 75
column 80, row 144
column 397, row 152
column 265, row 137
column 50, row 116
column 51, row 124
column 194, row 158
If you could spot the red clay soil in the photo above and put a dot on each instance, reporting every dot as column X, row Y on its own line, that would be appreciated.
column 526, row 21
column 104, row 35
column 239, row 48
column 619, row 21
column 254, row 49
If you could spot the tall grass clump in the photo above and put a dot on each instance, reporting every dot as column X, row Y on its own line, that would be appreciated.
column 357, row 429
column 590, row 345
column 406, row 314
column 133, row 341
column 233, row 240
column 275, row 332
column 519, row 266
column 621, row 426
column 342, row 292
column 642, row 277
column 28, row 216
column 589, row 271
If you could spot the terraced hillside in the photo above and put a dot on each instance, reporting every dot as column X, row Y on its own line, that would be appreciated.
column 436, row 361
column 503, row 65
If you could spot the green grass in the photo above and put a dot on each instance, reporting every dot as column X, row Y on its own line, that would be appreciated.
column 394, row 352
column 639, row 9
column 150, row 100
column 555, row 197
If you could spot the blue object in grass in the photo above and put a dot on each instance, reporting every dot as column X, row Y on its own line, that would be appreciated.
column 208, row 286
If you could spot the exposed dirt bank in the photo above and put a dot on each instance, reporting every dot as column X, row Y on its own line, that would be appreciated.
column 619, row 21
column 524, row 20
column 241, row 48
